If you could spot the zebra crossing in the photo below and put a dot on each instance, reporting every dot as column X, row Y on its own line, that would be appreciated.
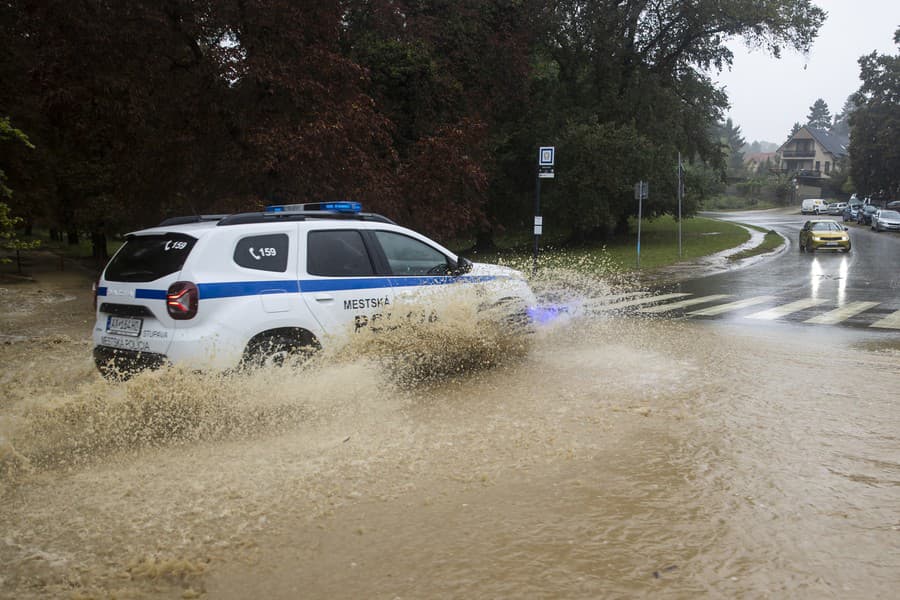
column 720, row 304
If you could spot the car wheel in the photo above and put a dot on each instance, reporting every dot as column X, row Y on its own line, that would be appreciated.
column 802, row 248
column 847, row 249
column 809, row 247
column 276, row 350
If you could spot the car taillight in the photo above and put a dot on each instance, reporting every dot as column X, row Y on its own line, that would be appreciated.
column 182, row 300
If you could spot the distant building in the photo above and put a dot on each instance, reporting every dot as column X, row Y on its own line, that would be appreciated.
column 811, row 154
column 760, row 162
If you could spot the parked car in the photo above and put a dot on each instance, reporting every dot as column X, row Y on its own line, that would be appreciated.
column 865, row 214
column 814, row 206
column 895, row 205
column 824, row 235
column 851, row 211
column 886, row 220
column 836, row 208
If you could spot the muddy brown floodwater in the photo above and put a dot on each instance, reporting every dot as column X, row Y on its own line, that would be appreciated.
column 607, row 457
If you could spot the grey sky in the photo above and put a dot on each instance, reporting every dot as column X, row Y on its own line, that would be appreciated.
column 768, row 96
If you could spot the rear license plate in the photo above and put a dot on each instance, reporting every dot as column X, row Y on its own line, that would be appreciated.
column 124, row 326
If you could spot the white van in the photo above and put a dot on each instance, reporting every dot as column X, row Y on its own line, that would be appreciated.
column 813, row 206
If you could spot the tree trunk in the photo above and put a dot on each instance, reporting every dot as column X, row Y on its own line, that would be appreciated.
column 98, row 247
column 72, row 237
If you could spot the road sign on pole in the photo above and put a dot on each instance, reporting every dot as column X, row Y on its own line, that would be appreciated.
column 641, row 189
column 546, row 161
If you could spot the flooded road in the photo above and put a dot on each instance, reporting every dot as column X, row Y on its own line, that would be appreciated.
column 615, row 456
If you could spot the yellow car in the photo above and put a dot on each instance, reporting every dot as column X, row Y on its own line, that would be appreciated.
column 824, row 234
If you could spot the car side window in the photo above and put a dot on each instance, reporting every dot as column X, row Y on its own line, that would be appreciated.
column 337, row 253
column 263, row 252
column 409, row 256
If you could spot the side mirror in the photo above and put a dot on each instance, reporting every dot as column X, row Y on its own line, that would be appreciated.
column 464, row 265
column 846, row 229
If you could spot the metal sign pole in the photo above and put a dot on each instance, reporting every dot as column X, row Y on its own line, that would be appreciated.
column 639, row 193
column 537, row 212
column 680, row 188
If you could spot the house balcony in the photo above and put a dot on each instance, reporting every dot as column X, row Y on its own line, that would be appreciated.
column 811, row 153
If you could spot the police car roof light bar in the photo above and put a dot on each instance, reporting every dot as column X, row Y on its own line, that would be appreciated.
column 291, row 215
column 342, row 207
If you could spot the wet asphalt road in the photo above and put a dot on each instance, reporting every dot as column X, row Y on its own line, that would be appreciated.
column 858, row 289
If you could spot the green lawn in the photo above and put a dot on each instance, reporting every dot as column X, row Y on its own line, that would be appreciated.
column 659, row 247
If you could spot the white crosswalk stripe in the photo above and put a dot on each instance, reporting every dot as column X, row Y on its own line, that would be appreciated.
column 841, row 314
column 683, row 303
column 786, row 309
column 730, row 306
column 892, row 321
column 597, row 304
column 616, row 302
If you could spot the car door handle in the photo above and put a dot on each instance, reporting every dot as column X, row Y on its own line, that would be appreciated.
column 324, row 298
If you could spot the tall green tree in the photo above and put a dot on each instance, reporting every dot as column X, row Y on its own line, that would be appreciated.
column 875, row 125
column 609, row 66
column 841, row 124
column 9, row 237
column 819, row 116
column 732, row 142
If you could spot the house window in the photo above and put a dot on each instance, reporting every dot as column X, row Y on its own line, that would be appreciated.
column 818, row 166
column 827, row 167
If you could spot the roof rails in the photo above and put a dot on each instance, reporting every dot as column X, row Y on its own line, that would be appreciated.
column 299, row 215
column 190, row 219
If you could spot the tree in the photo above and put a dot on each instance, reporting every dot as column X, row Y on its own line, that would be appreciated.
column 633, row 65
column 732, row 142
column 8, row 224
column 841, row 125
column 875, row 125
column 819, row 116
column 796, row 127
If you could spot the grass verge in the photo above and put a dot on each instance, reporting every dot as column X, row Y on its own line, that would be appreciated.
column 659, row 247
column 770, row 243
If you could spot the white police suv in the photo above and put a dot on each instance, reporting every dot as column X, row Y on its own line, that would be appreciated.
column 223, row 291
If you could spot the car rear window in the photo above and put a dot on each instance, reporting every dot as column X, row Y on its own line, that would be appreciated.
column 149, row 257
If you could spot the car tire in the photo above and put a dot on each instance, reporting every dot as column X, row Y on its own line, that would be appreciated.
column 276, row 349
column 810, row 248
column 847, row 249
column 802, row 248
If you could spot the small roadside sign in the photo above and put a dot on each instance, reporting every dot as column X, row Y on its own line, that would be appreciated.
column 641, row 190
column 538, row 225
column 547, row 156
column 546, row 160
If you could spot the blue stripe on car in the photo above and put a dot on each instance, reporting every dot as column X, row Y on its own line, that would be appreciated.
column 150, row 294
column 235, row 289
